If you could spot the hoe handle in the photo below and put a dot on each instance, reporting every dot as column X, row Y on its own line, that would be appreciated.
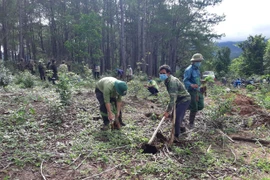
column 155, row 133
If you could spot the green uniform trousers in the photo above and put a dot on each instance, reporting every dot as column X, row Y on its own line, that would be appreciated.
column 197, row 101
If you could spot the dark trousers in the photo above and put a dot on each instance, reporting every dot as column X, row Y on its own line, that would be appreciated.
column 103, row 109
column 42, row 76
column 180, row 114
column 152, row 90
column 96, row 75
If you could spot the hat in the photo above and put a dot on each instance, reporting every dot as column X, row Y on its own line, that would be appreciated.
column 121, row 87
column 197, row 57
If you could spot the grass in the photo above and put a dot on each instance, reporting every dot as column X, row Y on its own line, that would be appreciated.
column 33, row 129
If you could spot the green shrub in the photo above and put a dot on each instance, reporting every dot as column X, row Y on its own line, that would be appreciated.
column 5, row 75
column 25, row 79
column 250, row 88
column 64, row 89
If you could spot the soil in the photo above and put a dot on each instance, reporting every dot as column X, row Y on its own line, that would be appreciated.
column 139, row 110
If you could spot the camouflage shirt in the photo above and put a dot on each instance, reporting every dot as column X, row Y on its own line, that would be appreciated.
column 106, row 86
column 177, row 92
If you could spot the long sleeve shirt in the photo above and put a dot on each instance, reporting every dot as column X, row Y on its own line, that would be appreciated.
column 192, row 76
column 106, row 86
column 177, row 92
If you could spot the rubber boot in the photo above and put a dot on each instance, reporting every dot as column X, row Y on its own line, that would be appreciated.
column 192, row 119
column 121, row 121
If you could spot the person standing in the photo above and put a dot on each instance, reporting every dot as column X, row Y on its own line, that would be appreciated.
column 192, row 81
column 129, row 73
column 54, row 70
column 179, row 98
column 63, row 68
column 109, row 92
column 152, row 86
column 41, row 70
column 97, row 71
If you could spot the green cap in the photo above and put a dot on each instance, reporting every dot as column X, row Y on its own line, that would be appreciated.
column 121, row 87
column 197, row 57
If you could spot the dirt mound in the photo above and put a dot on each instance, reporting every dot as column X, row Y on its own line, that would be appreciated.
column 245, row 105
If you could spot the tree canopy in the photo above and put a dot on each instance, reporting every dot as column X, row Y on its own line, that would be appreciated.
column 109, row 32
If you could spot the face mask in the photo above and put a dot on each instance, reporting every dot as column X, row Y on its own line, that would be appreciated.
column 163, row 77
column 197, row 64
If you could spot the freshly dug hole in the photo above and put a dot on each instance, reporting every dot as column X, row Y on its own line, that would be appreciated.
column 149, row 149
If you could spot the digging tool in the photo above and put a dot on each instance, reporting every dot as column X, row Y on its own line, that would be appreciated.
column 155, row 133
column 173, row 126
column 148, row 148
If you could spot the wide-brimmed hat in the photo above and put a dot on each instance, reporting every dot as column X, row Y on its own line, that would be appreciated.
column 197, row 57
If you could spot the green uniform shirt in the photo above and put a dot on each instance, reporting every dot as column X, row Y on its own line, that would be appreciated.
column 106, row 86
column 153, row 83
column 177, row 92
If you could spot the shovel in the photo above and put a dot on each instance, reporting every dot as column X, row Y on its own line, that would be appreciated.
column 148, row 148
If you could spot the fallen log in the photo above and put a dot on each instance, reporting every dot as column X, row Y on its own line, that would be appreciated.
column 264, row 142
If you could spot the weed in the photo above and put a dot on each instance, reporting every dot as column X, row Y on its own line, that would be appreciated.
column 250, row 88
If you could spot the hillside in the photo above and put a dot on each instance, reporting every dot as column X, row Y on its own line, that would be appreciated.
column 235, row 51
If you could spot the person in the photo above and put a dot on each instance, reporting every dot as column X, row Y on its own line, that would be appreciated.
column 237, row 83
column 192, row 81
column 129, row 73
column 109, row 92
column 54, row 70
column 63, row 68
column 31, row 66
column 41, row 70
column 179, row 98
column 97, row 71
column 152, row 86
column 224, row 81
column 21, row 65
column 120, row 73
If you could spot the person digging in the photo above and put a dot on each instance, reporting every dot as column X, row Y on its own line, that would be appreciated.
column 192, row 81
column 109, row 92
column 179, row 98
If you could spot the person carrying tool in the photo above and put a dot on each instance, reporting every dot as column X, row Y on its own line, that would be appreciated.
column 109, row 92
column 192, row 83
column 179, row 98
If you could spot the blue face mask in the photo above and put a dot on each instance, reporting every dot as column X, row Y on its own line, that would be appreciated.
column 197, row 64
column 163, row 77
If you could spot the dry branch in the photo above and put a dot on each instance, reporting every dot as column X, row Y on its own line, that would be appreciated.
column 42, row 170
column 263, row 142
column 102, row 172
column 225, row 135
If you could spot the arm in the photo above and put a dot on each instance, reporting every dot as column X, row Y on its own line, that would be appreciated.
column 187, row 82
column 110, row 114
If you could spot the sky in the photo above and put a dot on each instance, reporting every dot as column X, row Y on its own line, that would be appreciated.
column 243, row 18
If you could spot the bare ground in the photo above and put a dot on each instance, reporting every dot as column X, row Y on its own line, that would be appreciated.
column 75, row 148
